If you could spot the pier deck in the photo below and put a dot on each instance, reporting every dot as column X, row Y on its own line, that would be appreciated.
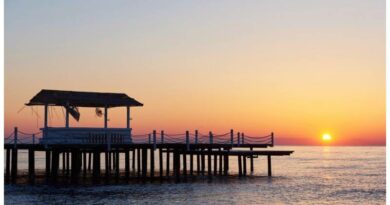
column 77, row 160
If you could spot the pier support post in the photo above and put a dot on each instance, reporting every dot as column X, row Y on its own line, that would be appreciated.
column 133, row 160
column 197, row 164
column 269, row 165
column 67, row 164
column 152, row 161
column 89, row 160
column 138, row 163
column 176, row 164
column 226, row 164
column 107, row 163
column 74, row 162
column 14, row 165
column 184, row 165
column 215, row 164
column 220, row 164
column 161, row 162
column 63, row 163
column 244, row 157
column 144, row 162
column 55, row 164
column 117, row 164
column 209, row 163
column 84, row 163
column 48, row 152
column 7, row 164
column 31, row 165
column 168, row 159
column 203, row 161
column 239, row 166
column 251, row 158
column 127, row 163
column 96, row 164
column 191, row 164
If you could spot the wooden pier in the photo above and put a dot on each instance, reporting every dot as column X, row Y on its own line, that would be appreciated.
column 100, row 161
column 82, row 152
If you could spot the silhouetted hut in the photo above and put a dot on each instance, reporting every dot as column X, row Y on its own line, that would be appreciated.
column 71, row 101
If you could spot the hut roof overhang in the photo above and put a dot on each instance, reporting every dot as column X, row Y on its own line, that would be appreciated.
column 82, row 99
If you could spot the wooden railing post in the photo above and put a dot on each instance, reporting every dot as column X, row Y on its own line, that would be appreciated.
column 162, row 136
column 154, row 140
column 149, row 138
column 187, row 140
column 15, row 136
column 231, row 137
column 238, row 139
column 272, row 139
column 211, row 137
column 196, row 136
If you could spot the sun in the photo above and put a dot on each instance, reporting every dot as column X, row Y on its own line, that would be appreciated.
column 326, row 137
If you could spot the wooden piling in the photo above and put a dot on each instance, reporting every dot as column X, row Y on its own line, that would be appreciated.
column 7, row 164
column 220, row 164
column 96, row 164
column 31, row 165
column 63, row 163
column 191, row 164
column 48, row 163
column 74, row 162
column 251, row 161
column 144, row 162
column 215, row 164
column 161, row 162
column 269, row 165
column 107, row 163
column 176, row 164
column 209, row 163
column 167, row 159
column 138, row 163
column 14, row 165
column 244, row 157
column 89, row 160
column 203, row 161
column 151, row 163
column 117, row 165
column 67, row 164
column 133, row 161
column 198, row 163
column 239, row 166
column 127, row 163
column 55, row 164
column 185, row 165
column 84, row 164
column 226, row 164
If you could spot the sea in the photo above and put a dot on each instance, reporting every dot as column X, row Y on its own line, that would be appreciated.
column 311, row 175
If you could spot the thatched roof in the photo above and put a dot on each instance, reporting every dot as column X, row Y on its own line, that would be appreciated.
column 82, row 99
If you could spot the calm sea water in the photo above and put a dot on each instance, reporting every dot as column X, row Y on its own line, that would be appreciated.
column 312, row 175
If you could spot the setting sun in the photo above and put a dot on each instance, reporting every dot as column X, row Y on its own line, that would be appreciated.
column 326, row 137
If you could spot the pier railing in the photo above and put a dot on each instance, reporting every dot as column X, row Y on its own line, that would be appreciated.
column 123, row 136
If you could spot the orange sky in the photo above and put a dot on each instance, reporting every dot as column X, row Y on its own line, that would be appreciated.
column 298, row 69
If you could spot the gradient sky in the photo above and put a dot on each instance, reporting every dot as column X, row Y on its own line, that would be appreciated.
column 298, row 68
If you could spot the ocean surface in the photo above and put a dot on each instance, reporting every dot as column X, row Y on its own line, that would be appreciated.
column 311, row 175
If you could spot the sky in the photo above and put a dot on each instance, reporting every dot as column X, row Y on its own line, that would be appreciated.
column 296, row 68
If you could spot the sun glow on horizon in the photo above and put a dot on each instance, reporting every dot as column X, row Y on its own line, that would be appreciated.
column 326, row 137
